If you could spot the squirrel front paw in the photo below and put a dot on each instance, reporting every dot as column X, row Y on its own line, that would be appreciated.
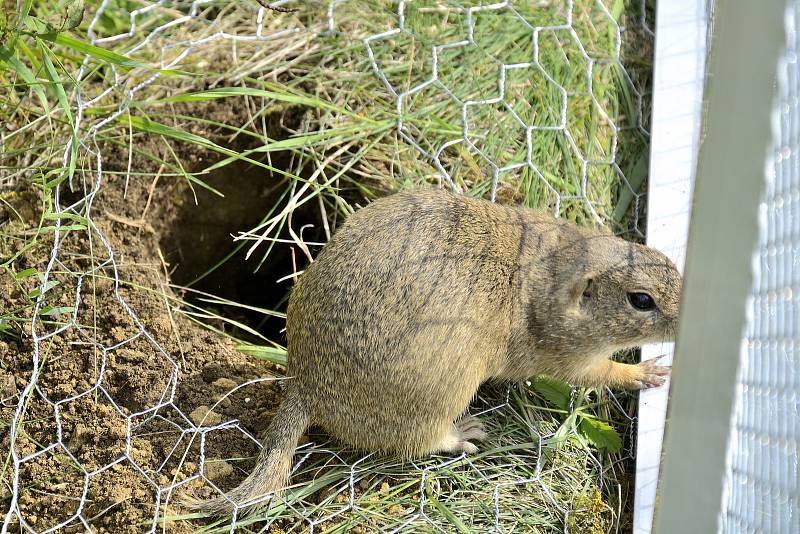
column 650, row 374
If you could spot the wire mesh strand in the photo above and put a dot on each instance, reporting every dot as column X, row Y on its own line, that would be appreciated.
column 402, row 95
column 188, row 32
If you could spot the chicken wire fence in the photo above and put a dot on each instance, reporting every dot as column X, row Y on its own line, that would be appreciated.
column 170, row 32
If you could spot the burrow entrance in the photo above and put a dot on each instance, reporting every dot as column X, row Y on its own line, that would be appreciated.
column 203, row 257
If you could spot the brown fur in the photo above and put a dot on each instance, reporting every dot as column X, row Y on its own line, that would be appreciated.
column 421, row 297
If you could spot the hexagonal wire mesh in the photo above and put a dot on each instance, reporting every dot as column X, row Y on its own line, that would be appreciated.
column 501, row 134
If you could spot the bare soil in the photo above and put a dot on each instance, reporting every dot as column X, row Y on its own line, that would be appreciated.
column 158, row 234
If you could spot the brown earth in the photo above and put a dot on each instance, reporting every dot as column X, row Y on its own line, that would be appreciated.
column 156, row 232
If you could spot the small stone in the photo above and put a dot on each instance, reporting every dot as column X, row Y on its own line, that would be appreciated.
column 131, row 356
column 395, row 509
column 120, row 492
column 8, row 386
column 80, row 436
column 224, row 383
column 385, row 487
column 203, row 416
column 216, row 470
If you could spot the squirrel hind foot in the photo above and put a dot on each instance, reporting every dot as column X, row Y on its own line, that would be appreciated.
column 470, row 427
column 456, row 439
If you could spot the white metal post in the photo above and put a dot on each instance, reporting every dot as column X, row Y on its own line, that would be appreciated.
column 678, row 79
column 745, row 44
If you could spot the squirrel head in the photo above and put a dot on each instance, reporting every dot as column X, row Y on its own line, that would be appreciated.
column 611, row 295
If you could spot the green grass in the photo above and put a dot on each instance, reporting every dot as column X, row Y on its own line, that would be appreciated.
column 344, row 150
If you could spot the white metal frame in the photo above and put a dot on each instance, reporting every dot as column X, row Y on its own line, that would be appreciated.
column 678, row 79
column 745, row 46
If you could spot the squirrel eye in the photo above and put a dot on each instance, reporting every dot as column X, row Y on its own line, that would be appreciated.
column 641, row 301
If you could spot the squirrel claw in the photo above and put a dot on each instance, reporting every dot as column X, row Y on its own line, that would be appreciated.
column 470, row 427
column 652, row 375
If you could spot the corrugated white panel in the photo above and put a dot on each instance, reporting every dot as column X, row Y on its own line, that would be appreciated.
column 678, row 78
column 762, row 487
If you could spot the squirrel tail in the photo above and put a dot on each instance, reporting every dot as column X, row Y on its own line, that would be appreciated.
column 271, row 472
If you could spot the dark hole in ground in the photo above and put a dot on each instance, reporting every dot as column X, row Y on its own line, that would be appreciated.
column 201, row 238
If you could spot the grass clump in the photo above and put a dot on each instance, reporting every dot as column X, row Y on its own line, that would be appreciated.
column 319, row 109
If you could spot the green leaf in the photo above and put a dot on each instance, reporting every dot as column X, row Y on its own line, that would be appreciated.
column 445, row 511
column 148, row 125
column 272, row 354
column 51, row 179
column 635, row 177
column 6, row 56
column 600, row 434
column 564, row 432
column 63, row 228
column 46, row 32
column 73, row 14
column 102, row 54
column 36, row 25
column 47, row 287
column 57, row 310
column 556, row 392
column 57, row 87
column 277, row 95
column 65, row 215
column 616, row 9
column 30, row 271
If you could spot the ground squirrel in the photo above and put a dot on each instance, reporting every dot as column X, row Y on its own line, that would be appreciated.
column 420, row 297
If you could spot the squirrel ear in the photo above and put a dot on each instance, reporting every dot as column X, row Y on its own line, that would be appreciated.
column 581, row 290
column 588, row 289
